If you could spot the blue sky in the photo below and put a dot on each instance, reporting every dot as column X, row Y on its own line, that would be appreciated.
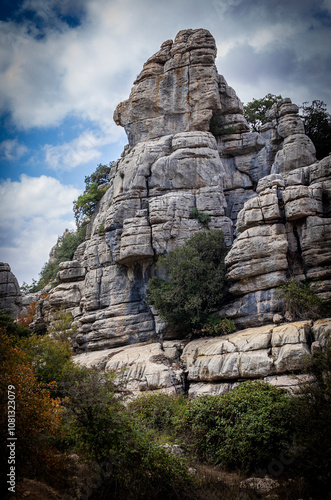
column 66, row 64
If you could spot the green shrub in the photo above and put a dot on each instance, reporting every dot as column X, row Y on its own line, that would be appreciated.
column 61, row 326
column 159, row 412
column 216, row 326
column 312, row 410
column 244, row 428
column 204, row 219
column 301, row 302
column 50, row 359
column 12, row 328
column 98, row 424
column 86, row 203
column 194, row 283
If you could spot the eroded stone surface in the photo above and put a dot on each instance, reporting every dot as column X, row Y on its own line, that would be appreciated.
column 10, row 294
column 190, row 147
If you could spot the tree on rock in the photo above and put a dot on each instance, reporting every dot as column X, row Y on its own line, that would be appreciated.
column 255, row 111
column 95, row 188
column 317, row 122
column 192, row 282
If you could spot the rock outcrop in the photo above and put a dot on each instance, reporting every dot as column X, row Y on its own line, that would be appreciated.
column 10, row 294
column 190, row 147
column 215, row 365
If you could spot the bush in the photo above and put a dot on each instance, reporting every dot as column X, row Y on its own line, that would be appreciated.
column 244, row 428
column 204, row 219
column 312, row 410
column 160, row 412
column 14, row 329
column 255, row 111
column 37, row 417
column 85, row 204
column 216, row 326
column 50, row 359
column 99, row 425
column 63, row 251
column 301, row 302
column 194, row 283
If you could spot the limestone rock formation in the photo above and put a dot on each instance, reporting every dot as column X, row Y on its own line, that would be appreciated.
column 284, row 231
column 10, row 294
column 215, row 365
column 191, row 147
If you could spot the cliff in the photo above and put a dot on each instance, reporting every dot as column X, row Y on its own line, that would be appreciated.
column 190, row 147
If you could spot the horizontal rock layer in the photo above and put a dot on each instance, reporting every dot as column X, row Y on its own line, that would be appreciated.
column 215, row 365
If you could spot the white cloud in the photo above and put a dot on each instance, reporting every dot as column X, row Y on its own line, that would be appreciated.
column 11, row 149
column 82, row 150
column 35, row 211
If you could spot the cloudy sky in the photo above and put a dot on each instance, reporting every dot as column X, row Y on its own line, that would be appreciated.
column 66, row 64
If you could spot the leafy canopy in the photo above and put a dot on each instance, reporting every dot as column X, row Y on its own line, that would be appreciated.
column 245, row 428
column 86, row 203
column 194, row 280
column 255, row 111
column 317, row 122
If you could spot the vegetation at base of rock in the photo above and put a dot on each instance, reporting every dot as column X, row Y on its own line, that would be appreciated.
column 244, row 428
column 215, row 327
column 255, row 111
column 38, row 417
column 13, row 328
column 194, row 283
column 300, row 302
column 160, row 412
column 61, row 326
column 317, row 123
column 95, row 188
column 312, row 410
column 204, row 219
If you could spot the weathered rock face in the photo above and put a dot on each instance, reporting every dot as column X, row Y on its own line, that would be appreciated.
column 10, row 294
column 284, row 231
column 190, row 147
column 276, row 354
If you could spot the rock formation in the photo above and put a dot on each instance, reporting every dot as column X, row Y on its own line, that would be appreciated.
column 191, row 147
column 10, row 294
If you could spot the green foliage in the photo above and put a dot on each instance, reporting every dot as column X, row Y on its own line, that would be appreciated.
column 301, row 302
column 50, row 359
column 86, row 203
column 317, row 122
column 98, row 424
column 216, row 327
column 100, row 176
column 194, row 281
column 244, row 428
column 160, row 412
column 12, row 328
column 204, row 219
column 255, row 111
column 312, row 410
column 61, row 327
column 101, row 230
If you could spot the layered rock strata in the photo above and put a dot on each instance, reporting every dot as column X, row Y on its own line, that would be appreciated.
column 10, row 294
column 215, row 365
column 285, row 230
column 190, row 147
